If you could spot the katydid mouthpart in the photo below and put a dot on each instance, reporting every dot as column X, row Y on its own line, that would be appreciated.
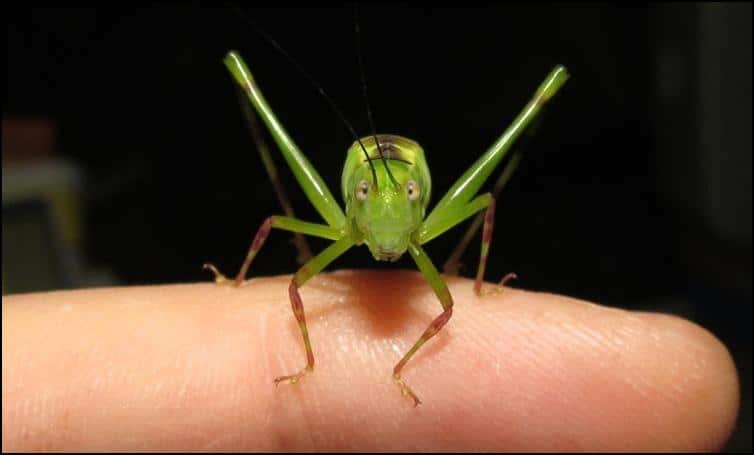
column 385, row 206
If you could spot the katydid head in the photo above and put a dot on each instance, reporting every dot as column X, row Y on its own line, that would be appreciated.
column 386, row 216
column 386, row 211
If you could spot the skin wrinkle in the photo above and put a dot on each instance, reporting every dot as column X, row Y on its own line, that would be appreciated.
column 589, row 336
column 641, row 383
column 274, row 361
column 617, row 344
column 294, row 408
column 645, row 384
column 269, row 363
column 367, row 349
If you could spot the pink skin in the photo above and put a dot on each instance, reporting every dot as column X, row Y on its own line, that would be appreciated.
column 191, row 367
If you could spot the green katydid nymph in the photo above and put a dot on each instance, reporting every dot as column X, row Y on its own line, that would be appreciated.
column 386, row 187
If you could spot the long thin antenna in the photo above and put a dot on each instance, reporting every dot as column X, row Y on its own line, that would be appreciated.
column 314, row 83
column 365, row 92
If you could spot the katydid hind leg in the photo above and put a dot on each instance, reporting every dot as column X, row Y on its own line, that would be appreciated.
column 474, row 177
column 306, row 175
column 304, row 252
column 464, row 189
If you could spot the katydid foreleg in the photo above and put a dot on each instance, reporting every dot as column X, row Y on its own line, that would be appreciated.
column 446, row 300
column 303, row 274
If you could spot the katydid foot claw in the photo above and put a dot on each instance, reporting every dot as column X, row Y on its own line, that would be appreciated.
column 219, row 277
column 498, row 289
column 406, row 390
column 293, row 378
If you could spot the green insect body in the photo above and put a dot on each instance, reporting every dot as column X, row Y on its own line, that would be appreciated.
column 386, row 187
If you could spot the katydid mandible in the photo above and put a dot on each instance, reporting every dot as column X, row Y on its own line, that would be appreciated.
column 385, row 206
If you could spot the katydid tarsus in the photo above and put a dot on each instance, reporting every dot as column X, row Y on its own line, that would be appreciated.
column 385, row 205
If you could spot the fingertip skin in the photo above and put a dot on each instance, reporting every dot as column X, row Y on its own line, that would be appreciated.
column 191, row 367
column 705, row 380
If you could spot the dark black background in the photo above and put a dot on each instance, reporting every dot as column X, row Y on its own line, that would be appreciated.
column 611, row 202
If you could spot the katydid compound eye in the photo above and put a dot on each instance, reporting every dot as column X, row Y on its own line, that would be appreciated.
column 362, row 189
column 412, row 190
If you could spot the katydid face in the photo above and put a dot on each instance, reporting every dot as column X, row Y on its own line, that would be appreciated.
column 386, row 216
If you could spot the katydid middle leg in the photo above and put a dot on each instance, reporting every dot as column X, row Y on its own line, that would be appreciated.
column 489, row 222
column 279, row 222
column 453, row 264
column 446, row 221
